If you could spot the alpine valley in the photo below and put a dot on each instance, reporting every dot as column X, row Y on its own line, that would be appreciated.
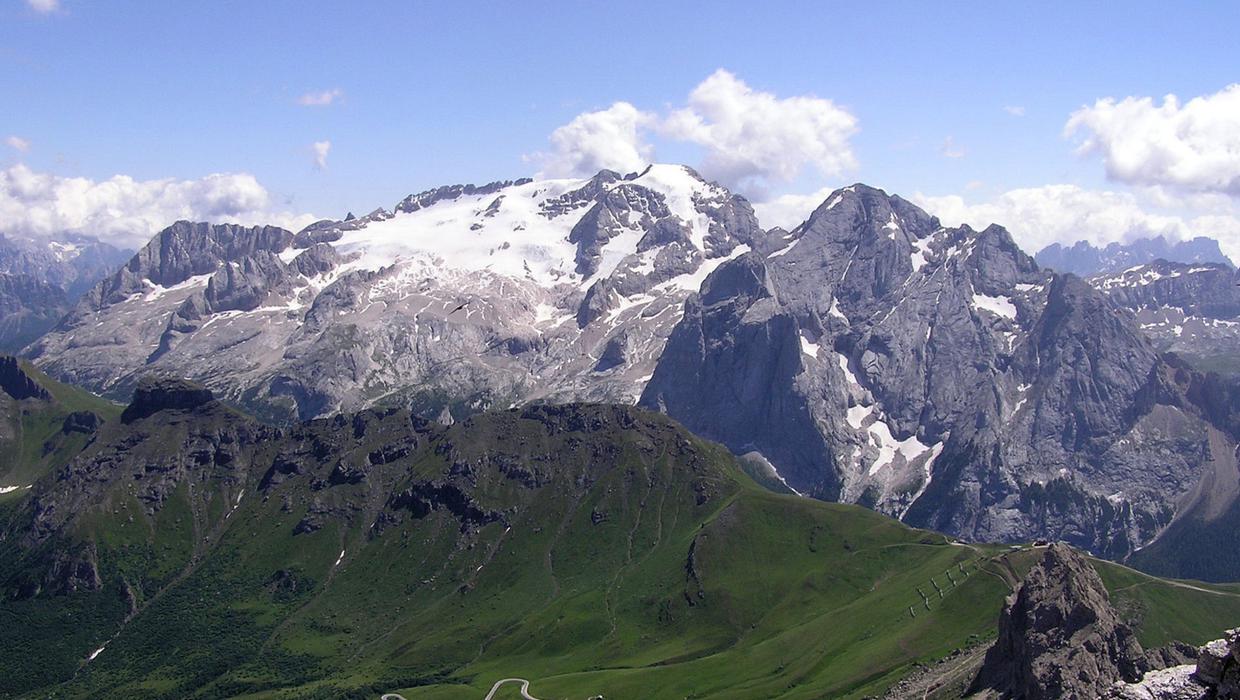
column 869, row 355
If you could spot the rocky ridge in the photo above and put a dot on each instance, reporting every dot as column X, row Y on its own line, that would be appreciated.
column 1192, row 310
column 1086, row 260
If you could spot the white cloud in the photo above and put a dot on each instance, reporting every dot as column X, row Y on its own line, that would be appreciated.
column 127, row 212
column 320, row 150
column 322, row 98
column 17, row 143
column 1194, row 147
column 749, row 138
column 1014, row 110
column 44, row 6
column 951, row 149
column 753, row 137
column 1039, row 216
column 788, row 211
column 611, row 138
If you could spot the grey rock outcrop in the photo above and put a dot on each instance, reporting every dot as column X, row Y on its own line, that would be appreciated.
column 17, row 383
column 1059, row 638
column 156, row 394
column 1214, row 676
column 422, row 200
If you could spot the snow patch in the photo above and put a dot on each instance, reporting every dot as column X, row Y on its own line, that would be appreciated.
column 893, row 224
column 1000, row 306
column 835, row 311
column 852, row 378
column 155, row 291
column 856, row 416
column 692, row 281
column 917, row 258
column 809, row 348
column 888, row 446
column 785, row 250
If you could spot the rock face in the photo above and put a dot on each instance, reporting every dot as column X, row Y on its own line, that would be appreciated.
column 1085, row 260
column 156, row 394
column 938, row 375
column 15, row 382
column 1059, row 637
column 1215, row 676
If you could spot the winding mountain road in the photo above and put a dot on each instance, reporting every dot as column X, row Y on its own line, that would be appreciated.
column 525, row 688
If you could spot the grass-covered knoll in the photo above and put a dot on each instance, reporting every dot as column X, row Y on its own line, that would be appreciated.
column 591, row 549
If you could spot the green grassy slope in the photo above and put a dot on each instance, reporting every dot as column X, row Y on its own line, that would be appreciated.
column 592, row 550
column 31, row 439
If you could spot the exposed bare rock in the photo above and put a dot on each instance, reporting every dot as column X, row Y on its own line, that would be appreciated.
column 1215, row 676
column 1059, row 637
column 156, row 394
column 15, row 382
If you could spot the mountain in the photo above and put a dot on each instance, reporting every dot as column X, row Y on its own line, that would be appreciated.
column 465, row 297
column 869, row 355
column 40, row 280
column 1085, row 260
column 190, row 551
column 1192, row 310
column 940, row 375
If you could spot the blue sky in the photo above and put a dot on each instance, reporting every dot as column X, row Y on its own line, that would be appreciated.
column 427, row 94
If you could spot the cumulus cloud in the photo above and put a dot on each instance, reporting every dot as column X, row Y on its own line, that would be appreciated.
column 44, row 6
column 788, row 211
column 612, row 138
column 320, row 150
column 753, row 137
column 17, row 143
column 322, row 98
column 1194, row 147
column 127, row 212
column 749, row 138
column 1014, row 110
column 1039, row 216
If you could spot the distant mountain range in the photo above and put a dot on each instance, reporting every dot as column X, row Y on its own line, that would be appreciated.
column 870, row 355
column 40, row 280
column 1191, row 309
column 1086, row 260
